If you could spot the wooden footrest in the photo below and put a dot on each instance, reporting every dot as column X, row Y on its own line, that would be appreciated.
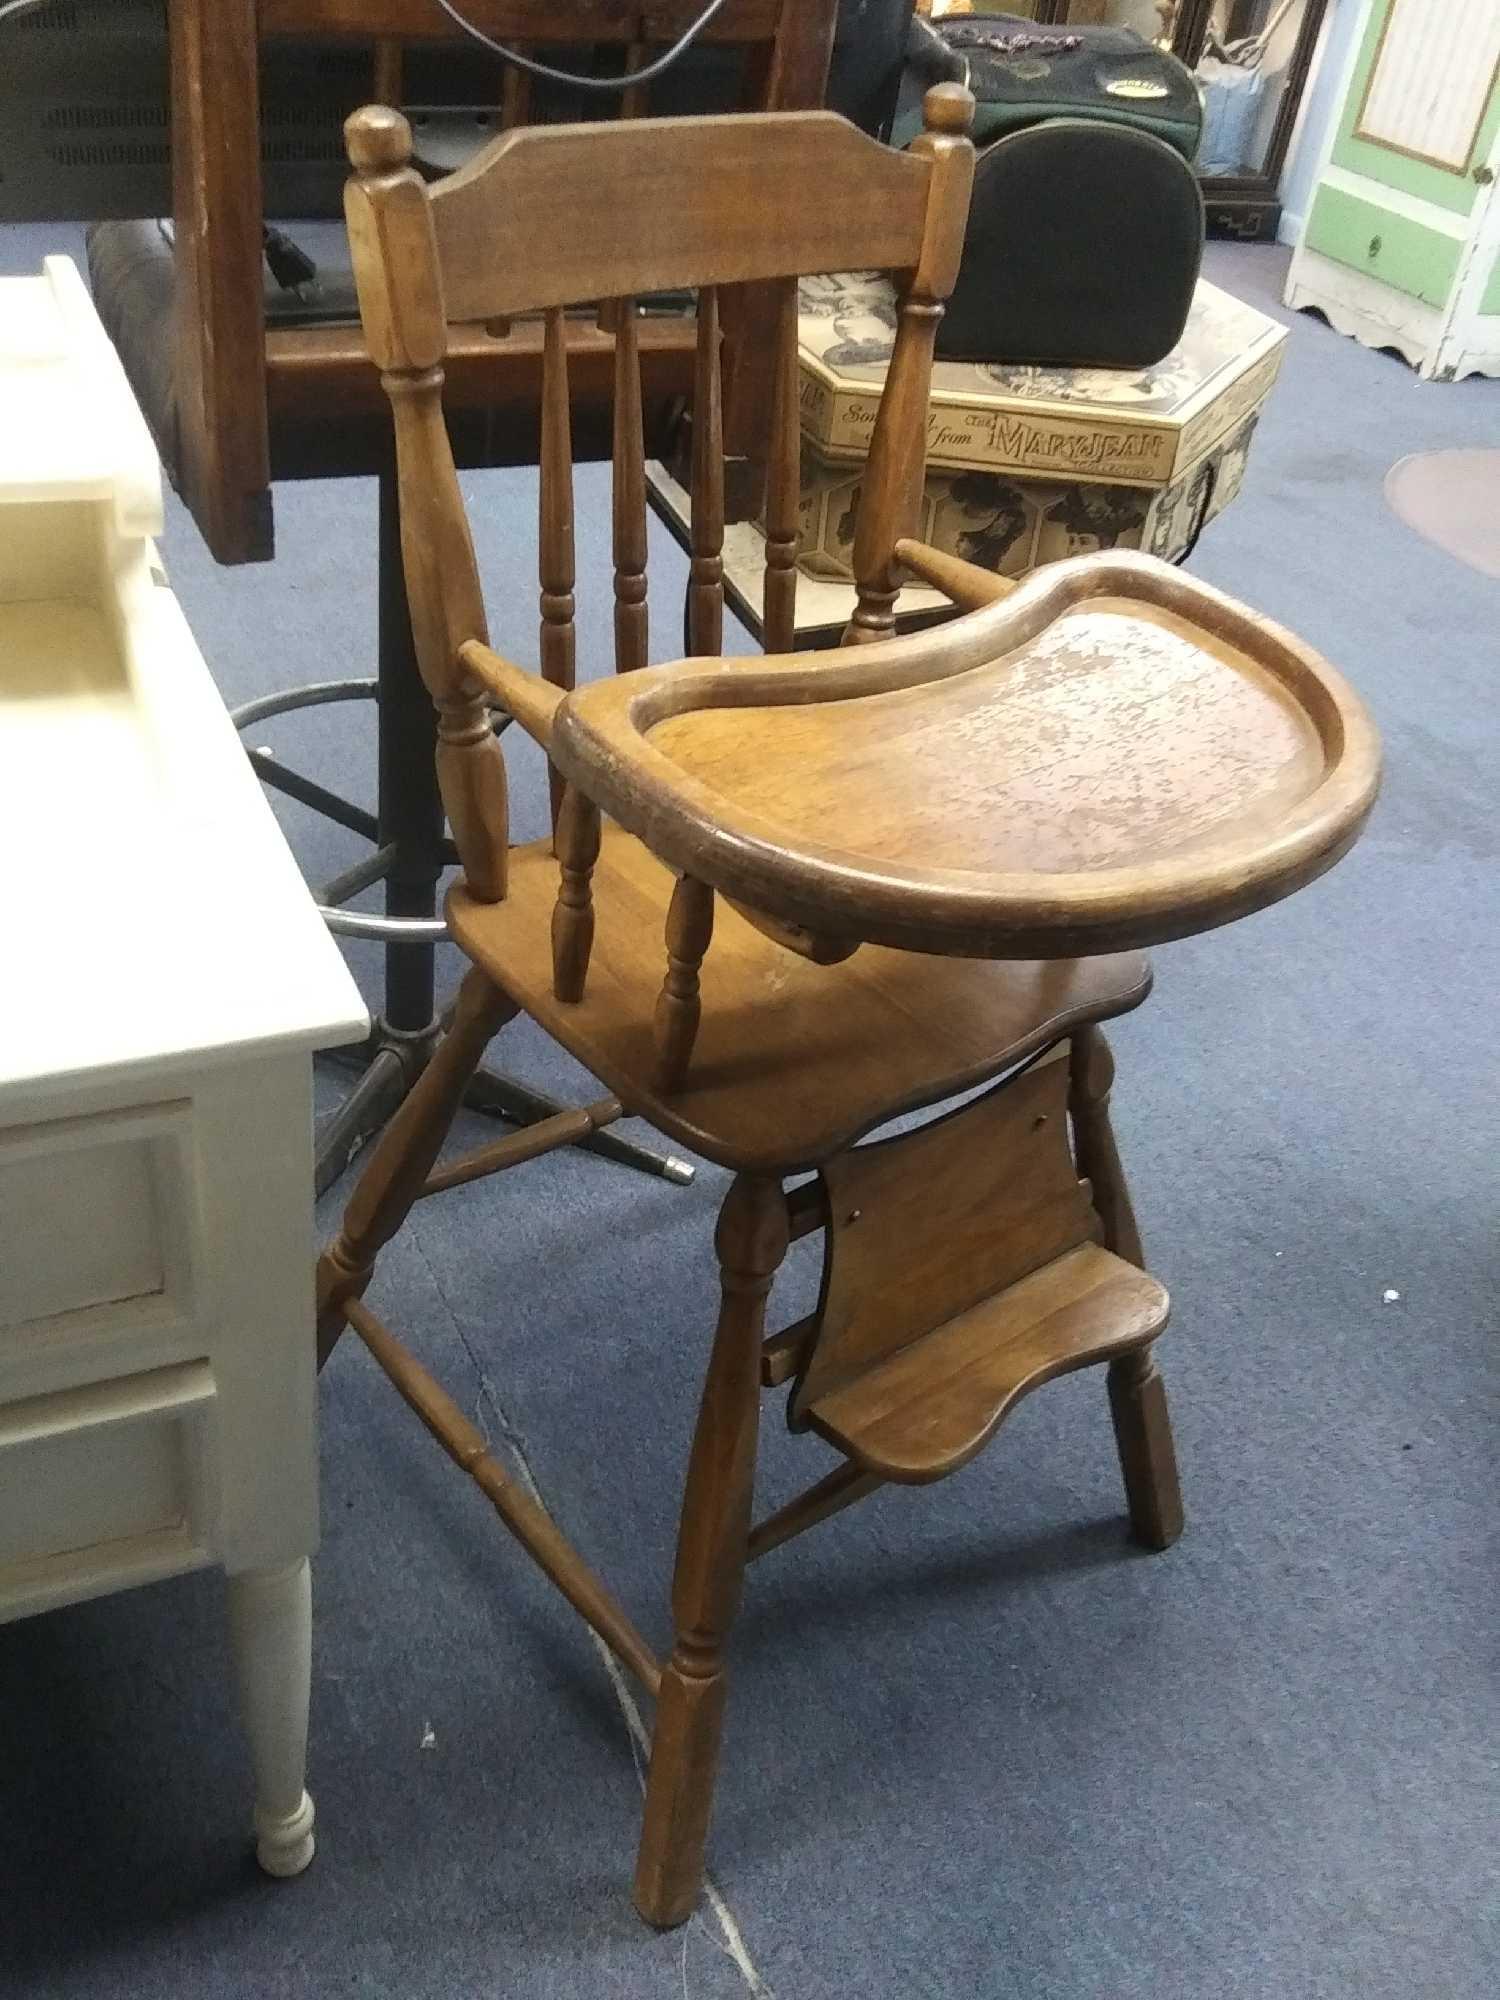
column 928, row 1408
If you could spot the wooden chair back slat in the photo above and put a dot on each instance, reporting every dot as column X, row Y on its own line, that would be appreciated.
column 783, row 480
column 733, row 199
column 556, row 565
column 628, row 471
column 705, row 619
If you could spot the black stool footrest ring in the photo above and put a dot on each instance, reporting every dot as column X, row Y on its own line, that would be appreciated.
column 343, row 923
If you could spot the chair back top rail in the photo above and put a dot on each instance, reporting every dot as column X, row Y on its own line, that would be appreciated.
column 733, row 198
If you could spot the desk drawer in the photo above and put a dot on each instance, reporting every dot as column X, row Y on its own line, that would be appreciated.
column 96, row 1216
column 99, row 1480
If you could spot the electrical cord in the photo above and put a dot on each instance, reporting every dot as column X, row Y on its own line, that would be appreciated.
column 606, row 84
column 663, row 63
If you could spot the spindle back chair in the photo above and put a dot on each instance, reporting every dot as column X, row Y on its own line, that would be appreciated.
column 870, row 872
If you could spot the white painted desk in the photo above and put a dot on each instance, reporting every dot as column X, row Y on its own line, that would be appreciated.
column 165, row 981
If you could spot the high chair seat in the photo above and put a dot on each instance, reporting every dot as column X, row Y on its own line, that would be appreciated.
column 850, row 1045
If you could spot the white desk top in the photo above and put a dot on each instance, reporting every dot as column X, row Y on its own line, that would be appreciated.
column 151, row 915
column 69, row 425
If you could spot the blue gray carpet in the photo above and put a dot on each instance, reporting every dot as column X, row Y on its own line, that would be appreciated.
column 977, row 1744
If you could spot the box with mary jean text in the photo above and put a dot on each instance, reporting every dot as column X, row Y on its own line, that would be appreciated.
column 1028, row 464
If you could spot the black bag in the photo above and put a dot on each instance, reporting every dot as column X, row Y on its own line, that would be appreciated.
column 1086, row 229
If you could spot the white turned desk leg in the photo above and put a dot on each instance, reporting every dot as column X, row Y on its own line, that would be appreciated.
column 270, row 1629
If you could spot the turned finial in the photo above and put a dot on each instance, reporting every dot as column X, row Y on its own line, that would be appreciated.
column 948, row 107
column 378, row 139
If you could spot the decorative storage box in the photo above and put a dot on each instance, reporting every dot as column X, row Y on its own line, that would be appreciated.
column 1028, row 464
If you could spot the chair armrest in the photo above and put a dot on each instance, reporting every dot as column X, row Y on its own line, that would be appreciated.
column 531, row 700
column 970, row 587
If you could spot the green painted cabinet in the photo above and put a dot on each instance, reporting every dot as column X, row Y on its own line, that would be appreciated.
column 1402, row 243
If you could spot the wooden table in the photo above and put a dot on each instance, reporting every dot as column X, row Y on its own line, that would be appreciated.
column 169, row 981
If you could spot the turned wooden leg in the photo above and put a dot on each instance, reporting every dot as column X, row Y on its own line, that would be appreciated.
column 1137, row 1395
column 270, row 1632
column 573, row 913
column 1148, row 1458
column 1090, row 1082
column 690, row 929
column 403, row 1158
column 751, row 1242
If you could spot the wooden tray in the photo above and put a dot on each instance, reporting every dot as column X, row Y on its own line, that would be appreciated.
column 1113, row 756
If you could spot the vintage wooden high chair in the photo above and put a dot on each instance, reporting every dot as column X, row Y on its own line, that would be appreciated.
column 787, row 900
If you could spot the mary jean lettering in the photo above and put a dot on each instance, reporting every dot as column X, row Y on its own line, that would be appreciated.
column 998, row 438
column 1029, row 444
